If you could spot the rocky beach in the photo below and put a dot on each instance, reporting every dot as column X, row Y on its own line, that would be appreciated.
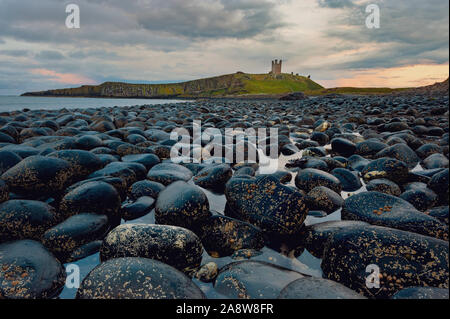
column 357, row 206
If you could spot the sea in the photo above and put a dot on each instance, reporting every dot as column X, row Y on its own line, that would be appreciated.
column 17, row 103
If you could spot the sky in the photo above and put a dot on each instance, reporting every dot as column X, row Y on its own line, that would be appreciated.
column 150, row 41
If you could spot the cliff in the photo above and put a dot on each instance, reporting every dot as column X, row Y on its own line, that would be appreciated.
column 237, row 84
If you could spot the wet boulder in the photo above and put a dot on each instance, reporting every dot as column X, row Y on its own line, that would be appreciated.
column 29, row 271
column 343, row 147
column 38, row 176
column 145, row 188
column 435, row 161
column 421, row 293
column 84, row 251
column 324, row 199
column 167, row 173
column 82, row 163
column 213, row 177
column 242, row 280
column 439, row 184
column 349, row 180
column 5, row 138
column 26, row 219
column 317, row 288
column 390, row 211
column 428, row 149
column 403, row 258
column 74, row 232
column 440, row 213
column 122, row 169
column 222, row 236
column 384, row 186
column 4, row 191
column 8, row 159
column 401, row 152
column 88, row 142
column 118, row 183
column 137, row 278
column 267, row 204
column 21, row 150
column 148, row 160
column 140, row 207
column 421, row 198
column 175, row 246
column 309, row 178
column 388, row 168
column 315, row 236
column 93, row 197
column 320, row 138
column 181, row 204
column 370, row 147
column 357, row 163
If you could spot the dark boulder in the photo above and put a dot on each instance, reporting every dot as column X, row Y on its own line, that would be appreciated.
column 148, row 160
column 267, row 204
column 145, row 188
column 82, row 163
column 168, row 173
column 343, row 147
column 137, row 278
column 29, row 271
column 389, row 211
column 349, row 180
column 387, row 168
column 140, row 207
column 324, row 199
column 242, row 280
column 439, row 183
column 74, row 232
column 317, row 288
column 315, row 236
column 384, row 186
column 181, row 204
column 222, row 236
column 401, row 152
column 404, row 259
column 214, row 177
column 38, row 176
column 309, row 178
column 175, row 246
column 8, row 159
column 92, row 197
column 26, row 219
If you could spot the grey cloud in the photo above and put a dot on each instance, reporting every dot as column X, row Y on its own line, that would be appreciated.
column 415, row 31
column 50, row 55
column 336, row 3
column 210, row 18
column 15, row 53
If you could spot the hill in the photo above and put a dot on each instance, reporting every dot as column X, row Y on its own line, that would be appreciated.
column 439, row 88
column 230, row 85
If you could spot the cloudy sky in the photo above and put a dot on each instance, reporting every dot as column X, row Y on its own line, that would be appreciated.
column 173, row 40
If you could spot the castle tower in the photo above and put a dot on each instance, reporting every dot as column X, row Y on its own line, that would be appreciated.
column 276, row 67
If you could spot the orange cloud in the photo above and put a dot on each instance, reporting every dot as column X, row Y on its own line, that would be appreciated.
column 65, row 78
column 406, row 76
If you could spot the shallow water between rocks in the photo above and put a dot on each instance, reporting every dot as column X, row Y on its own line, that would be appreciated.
column 305, row 263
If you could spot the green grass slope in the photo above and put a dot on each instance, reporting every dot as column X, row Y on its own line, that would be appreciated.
column 230, row 85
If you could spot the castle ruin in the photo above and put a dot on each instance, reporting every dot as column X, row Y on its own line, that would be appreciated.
column 276, row 67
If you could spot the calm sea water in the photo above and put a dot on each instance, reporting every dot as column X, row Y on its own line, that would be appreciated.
column 13, row 103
